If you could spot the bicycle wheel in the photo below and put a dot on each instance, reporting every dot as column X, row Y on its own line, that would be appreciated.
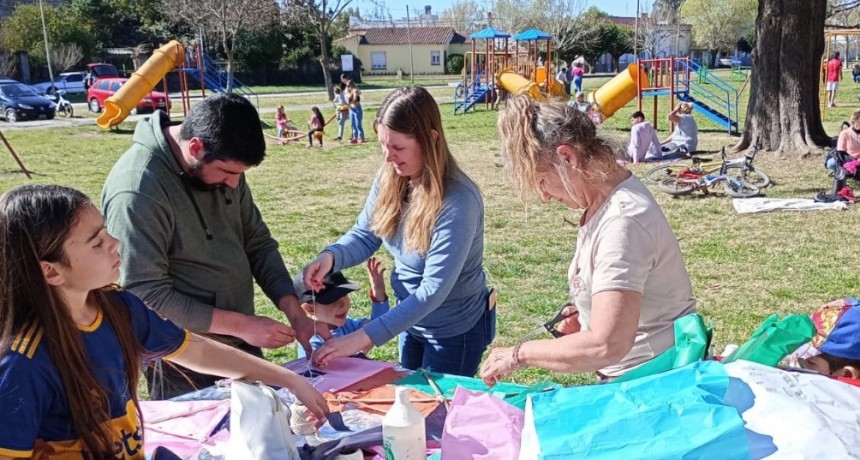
column 673, row 187
column 660, row 173
column 755, row 177
column 737, row 188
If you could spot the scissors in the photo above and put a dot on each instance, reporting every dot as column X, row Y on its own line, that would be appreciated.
column 549, row 326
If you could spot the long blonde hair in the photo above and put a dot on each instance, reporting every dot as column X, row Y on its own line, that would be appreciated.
column 531, row 132
column 413, row 111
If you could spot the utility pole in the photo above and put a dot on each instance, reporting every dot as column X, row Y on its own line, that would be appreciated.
column 636, row 34
column 47, row 49
column 411, row 58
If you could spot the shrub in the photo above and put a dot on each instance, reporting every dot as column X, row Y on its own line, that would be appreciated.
column 454, row 64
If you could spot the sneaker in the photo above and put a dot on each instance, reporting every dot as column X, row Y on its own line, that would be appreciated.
column 361, row 141
column 310, row 146
column 338, row 138
column 353, row 141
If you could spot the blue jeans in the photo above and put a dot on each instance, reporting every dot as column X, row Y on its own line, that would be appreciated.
column 341, row 122
column 457, row 355
column 355, row 116
column 577, row 82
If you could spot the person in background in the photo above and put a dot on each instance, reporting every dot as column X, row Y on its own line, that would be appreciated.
column 193, row 239
column 283, row 123
column 72, row 342
column 577, row 73
column 316, row 125
column 430, row 216
column 627, row 280
column 356, row 113
column 580, row 103
column 644, row 143
column 685, row 137
column 834, row 74
column 563, row 79
column 342, row 108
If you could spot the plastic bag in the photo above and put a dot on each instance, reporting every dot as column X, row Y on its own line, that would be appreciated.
column 259, row 424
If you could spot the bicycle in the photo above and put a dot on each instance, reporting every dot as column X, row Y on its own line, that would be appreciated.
column 688, row 180
column 748, row 173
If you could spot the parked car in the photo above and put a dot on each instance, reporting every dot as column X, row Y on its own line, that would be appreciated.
column 107, row 87
column 70, row 82
column 19, row 102
column 98, row 70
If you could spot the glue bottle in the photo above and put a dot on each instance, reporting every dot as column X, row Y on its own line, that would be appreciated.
column 403, row 435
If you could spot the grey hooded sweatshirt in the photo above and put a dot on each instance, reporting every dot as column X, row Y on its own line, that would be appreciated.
column 186, row 250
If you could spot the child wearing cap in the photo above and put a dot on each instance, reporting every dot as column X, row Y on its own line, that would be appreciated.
column 329, row 308
column 839, row 353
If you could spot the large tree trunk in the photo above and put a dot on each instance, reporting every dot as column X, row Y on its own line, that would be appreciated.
column 784, row 113
column 324, row 62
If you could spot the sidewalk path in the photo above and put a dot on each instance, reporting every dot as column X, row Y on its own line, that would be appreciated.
column 85, row 121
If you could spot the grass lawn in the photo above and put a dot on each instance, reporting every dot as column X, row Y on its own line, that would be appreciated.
column 743, row 267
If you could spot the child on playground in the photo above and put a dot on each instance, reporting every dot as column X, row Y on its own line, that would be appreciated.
column 283, row 122
column 331, row 305
column 72, row 344
column 342, row 108
column 317, row 125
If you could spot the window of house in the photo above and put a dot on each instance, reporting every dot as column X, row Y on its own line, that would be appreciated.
column 377, row 60
column 435, row 58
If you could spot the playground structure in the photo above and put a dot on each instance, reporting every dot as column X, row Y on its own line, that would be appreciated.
column 499, row 66
column 829, row 36
column 710, row 95
column 174, row 56
column 518, row 70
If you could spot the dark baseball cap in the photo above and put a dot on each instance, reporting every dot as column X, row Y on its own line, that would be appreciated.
column 335, row 286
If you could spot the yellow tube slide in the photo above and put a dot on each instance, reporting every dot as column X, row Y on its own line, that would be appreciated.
column 516, row 84
column 118, row 106
column 616, row 93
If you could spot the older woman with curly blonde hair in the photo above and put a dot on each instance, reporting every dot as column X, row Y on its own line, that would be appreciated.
column 627, row 280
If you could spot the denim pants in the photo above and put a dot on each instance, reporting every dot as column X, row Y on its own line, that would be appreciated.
column 341, row 122
column 577, row 82
column 355, row 116
column 457, row 355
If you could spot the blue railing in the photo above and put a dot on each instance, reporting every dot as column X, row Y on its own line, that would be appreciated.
column 466, row 89
column 216, row 79
column 723, row 96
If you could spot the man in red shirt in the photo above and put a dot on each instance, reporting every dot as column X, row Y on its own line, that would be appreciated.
column 834, row 74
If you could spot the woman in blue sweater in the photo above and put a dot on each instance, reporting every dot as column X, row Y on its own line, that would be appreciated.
column 430, row 217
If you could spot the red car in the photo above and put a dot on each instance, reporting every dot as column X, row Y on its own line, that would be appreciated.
column 106, row 87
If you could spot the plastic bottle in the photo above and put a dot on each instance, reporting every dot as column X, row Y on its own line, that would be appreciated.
column 403, row 430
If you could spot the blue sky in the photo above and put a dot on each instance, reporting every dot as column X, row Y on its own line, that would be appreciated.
column 398, row 7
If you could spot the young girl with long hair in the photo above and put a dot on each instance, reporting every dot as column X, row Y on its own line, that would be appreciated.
column 316, row 124
column 430, row 217
column 72, row 344
column 356, row 113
